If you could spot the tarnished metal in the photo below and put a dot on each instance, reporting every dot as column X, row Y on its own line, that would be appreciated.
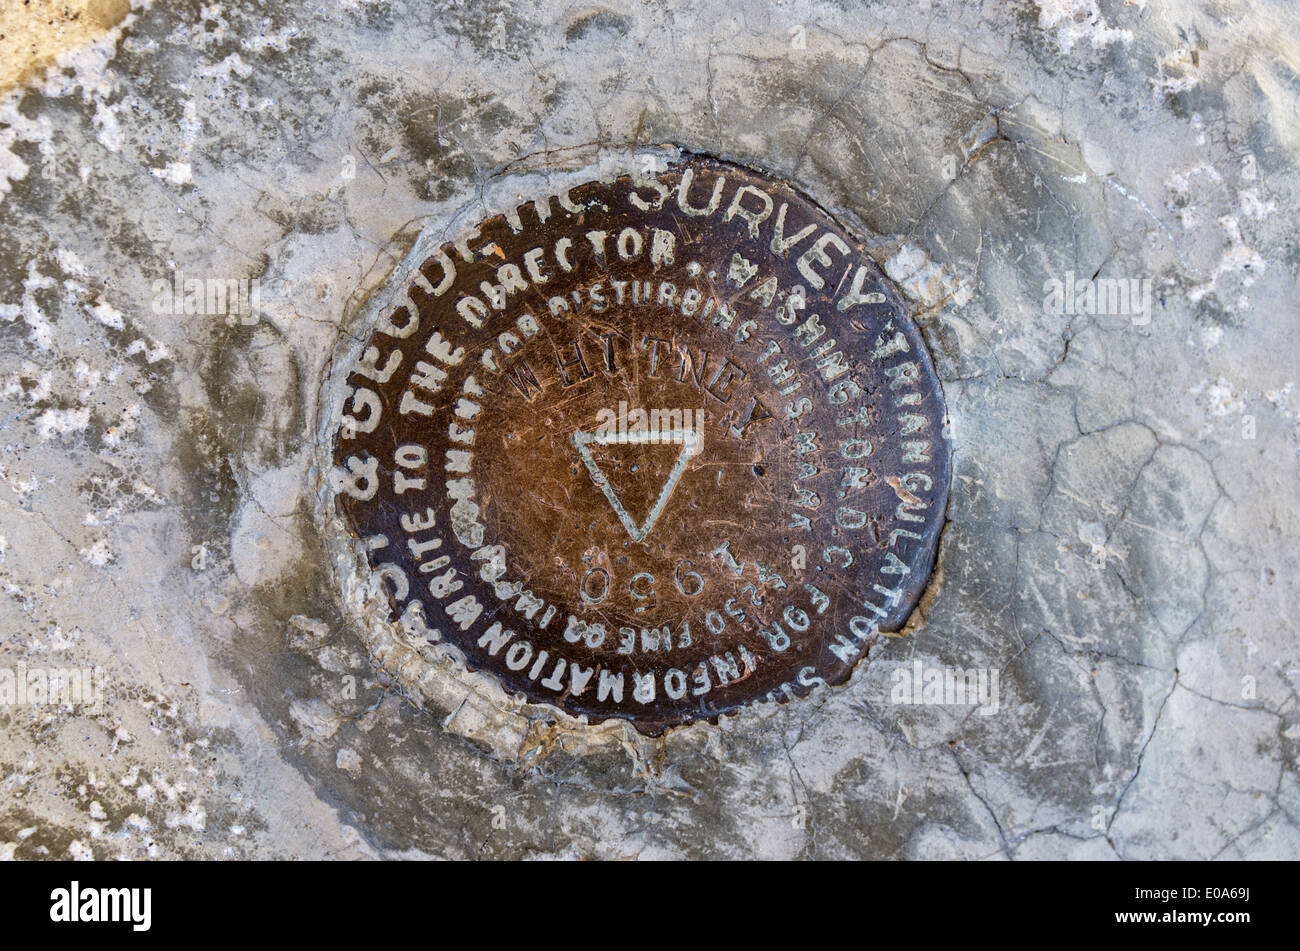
column 651, row 450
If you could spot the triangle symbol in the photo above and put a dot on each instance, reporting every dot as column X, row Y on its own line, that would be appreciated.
column 688, row 439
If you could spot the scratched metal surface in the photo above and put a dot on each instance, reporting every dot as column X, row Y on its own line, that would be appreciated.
column 775, row 507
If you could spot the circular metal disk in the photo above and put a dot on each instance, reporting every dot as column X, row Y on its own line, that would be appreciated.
column 653, row 450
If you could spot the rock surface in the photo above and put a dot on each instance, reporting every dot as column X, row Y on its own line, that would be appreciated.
column 1123, row 527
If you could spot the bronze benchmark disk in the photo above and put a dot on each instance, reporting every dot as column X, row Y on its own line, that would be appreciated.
column 654, row 449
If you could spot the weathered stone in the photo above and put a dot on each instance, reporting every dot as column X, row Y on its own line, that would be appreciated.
column 1089, row 208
